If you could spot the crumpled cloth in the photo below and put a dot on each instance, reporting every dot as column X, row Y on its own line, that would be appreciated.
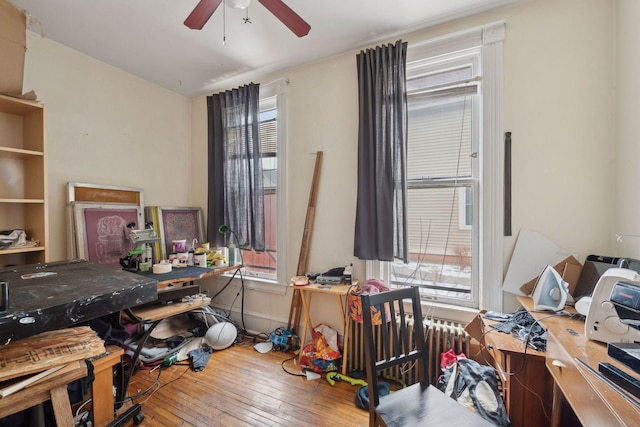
column 374, row 286
column 12, row 238
column 199, row 358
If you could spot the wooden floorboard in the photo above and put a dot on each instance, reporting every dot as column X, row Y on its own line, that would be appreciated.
column 242, row 387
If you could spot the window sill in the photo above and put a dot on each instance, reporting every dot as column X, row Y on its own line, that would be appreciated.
column 263, row 285
column 462, row 315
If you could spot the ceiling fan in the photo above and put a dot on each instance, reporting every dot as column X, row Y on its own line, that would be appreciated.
column 205, row 8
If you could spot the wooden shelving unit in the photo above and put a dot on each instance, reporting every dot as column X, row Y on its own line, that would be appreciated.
column 23, row 186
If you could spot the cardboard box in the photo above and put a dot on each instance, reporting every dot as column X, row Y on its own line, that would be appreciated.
column 569, row 269
column 13, row 45
column 477, row 349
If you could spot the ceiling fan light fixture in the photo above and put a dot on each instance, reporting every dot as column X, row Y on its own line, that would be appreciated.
column 238, row 4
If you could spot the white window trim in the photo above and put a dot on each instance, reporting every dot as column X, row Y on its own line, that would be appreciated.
column 277, row 88
column 491, row 215
column 492, row 163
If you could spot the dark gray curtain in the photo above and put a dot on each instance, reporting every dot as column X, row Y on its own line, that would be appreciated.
column 380, row 232
column 235, row 168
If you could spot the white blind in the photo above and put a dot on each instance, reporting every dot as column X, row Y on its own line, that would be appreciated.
column 439, row 140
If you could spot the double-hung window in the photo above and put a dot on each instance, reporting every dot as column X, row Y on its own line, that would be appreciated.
column 442, row 177
column 454, row 164
column 269, row 265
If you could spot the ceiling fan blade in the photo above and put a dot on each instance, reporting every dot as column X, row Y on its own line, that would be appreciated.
column 288, row 17
column 201, row 14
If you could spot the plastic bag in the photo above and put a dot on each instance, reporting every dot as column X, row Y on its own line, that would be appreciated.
column 318, row 355
column 474, row 386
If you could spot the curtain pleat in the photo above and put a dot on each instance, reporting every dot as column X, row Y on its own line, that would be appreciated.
column 380, row 230
column 236, row 191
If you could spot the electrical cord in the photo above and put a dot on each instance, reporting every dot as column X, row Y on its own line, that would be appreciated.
column 243, row 330
column 228, row 282
column 156, row 384
column 85, row 403
column 289, row 372
column 224, row 229
column 527, row 337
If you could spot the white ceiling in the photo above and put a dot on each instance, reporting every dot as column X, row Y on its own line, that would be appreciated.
column 147, row 38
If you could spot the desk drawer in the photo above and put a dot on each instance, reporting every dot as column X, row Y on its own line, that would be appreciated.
column 589, row 407
column 526, row 384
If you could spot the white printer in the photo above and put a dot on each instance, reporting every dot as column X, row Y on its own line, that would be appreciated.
column 614, row 308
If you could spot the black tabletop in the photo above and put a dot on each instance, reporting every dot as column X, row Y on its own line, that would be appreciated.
column 45, row 297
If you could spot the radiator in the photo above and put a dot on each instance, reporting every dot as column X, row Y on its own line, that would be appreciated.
column 440, row 337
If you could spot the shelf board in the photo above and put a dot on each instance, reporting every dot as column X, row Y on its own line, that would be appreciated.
column 17, row 153
column 22, row 201
column 22, row 250
column 18, row 106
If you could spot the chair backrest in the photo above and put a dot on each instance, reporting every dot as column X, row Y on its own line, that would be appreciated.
column 396, row 341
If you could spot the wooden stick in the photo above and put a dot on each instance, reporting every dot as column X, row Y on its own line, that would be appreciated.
column 294, row 312
column 27, row 382
column 311, row 213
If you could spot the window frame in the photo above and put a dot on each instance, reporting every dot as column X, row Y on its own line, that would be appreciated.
column 454, row 93
column 463, row 207
column 277, row 89
column 489, row 263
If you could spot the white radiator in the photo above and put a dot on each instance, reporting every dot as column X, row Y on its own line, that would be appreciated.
column 440, row 336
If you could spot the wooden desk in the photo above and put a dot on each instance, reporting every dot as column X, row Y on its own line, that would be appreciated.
column 181, row 275
column 526, row 383
column 339, row 291
column 179, row 282
column 155, row 312
column 593, row 401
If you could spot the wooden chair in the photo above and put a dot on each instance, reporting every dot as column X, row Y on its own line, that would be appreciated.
column 390, row 345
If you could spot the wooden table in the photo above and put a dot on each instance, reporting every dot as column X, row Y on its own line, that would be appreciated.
column 339, row 291
column 180, row 275
column 594, row 402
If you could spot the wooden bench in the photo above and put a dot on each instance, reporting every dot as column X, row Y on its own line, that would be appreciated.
column 52, row 387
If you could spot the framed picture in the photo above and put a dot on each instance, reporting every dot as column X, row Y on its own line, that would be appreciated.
column 177, row 223
column 101, row 231
column 96, row 194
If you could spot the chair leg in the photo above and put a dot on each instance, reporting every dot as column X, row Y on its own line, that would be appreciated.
column 376, row 422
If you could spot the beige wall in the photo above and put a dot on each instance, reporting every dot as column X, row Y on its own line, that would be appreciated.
column 558, row 103
column 627, row 172
column 105, row 126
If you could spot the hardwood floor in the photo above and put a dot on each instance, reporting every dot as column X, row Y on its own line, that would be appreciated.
column 242, row 387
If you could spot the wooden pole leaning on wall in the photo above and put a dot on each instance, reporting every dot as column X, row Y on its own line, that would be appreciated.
column 294, row 311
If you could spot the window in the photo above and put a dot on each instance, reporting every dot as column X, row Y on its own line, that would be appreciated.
column 454, row 166
column 268, row 265
column 443, row 108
